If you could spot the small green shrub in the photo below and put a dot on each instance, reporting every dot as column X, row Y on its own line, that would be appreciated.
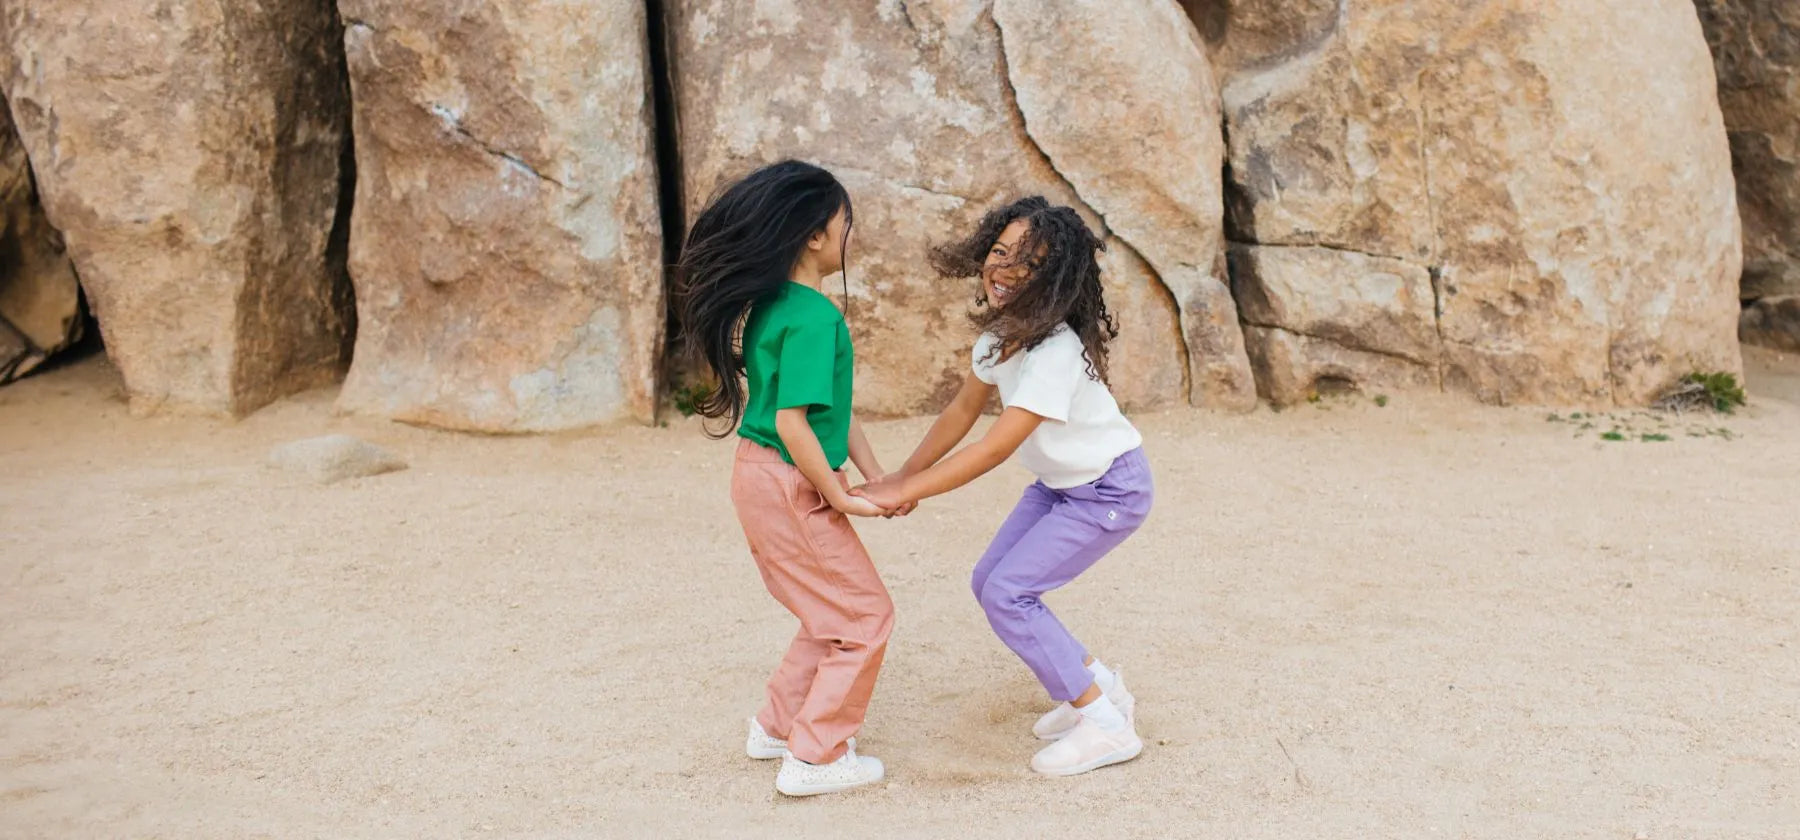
column 687, row 398
column 1722, row 389
column 1720, row 392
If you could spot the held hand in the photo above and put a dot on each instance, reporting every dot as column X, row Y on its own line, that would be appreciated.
column 885, row 494
column 893, row 480
column 852, row 505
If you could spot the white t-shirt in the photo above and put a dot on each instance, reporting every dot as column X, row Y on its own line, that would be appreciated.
column 1083, row 430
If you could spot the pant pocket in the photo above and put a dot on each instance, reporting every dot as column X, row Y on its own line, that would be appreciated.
column 805, row 499
column 1111, row 506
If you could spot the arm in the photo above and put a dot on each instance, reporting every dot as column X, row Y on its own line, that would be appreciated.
column 952, row 425
column 968, row 464
column 863, row 455
column 803, row 446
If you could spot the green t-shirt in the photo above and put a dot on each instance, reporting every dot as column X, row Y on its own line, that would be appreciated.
column 797, row 353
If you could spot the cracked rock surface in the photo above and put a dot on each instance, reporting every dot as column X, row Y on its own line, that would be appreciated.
column 914, row 106
column 189, row 154
column 506, row 247
column 1559, row 170
column 1756, row 49
column 1136, row 134
column 40, row 299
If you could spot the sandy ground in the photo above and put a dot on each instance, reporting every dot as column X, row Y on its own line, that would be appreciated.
column 1425, row 620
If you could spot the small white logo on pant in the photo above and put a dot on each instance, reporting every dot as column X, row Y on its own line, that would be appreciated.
column 1112, row 514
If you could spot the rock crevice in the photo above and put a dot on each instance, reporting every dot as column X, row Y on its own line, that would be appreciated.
column 453, row 124
column 1165, row 204
column 1113, row 240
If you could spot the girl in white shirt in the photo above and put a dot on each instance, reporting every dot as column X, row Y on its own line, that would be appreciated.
column 1043, row 347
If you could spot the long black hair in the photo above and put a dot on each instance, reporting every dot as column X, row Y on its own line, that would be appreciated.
column 743, row 246
column 1061, row 253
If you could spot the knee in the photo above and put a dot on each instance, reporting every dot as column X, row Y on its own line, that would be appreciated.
column 1000, row 600
column 884, row 621
column 879, row 625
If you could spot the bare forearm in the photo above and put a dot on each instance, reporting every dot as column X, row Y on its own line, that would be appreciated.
column 969, row 463
column 862, row 454
column 949, row 430
column 809, row 457
column 974, row 460
column 951, row 426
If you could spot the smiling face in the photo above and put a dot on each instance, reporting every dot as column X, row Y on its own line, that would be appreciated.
column 1005, row 271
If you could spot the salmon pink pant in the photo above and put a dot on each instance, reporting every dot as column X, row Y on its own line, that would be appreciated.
column 814, row 564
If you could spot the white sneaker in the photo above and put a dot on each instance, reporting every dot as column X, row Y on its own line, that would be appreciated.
column 797, row 778
column 762, row 746
column 1061, row 720
column 1088, row 747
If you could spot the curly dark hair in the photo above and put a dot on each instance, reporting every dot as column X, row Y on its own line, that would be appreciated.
column 1061, row 253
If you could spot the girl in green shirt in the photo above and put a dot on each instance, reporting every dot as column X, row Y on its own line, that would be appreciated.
column 748, row 283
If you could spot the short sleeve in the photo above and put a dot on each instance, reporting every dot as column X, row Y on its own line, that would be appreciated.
column 1049, row 377
column 803, row 375
column 981, row 360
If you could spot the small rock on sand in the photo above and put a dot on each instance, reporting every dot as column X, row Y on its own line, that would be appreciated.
column 334, row 458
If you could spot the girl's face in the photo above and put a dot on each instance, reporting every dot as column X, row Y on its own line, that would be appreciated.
column 827, row 246
column 1005, row 271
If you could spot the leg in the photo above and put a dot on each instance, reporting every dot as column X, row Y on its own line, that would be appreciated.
column 1063, row 544
column 844, row 605
column 1032, row 506
column 756, row 489
column 788, row 685
column 813, row 563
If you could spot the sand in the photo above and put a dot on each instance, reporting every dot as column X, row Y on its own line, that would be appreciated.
column 1429, row 619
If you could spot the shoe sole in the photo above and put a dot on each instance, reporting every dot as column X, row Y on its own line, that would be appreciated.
column 764, row 754
column 768, row 753
column 815, row 790
column 1117, row 757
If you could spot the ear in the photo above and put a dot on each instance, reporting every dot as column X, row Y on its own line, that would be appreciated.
column 817, row 241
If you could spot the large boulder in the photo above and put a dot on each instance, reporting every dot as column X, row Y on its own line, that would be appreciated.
column 933, row 112
column 189, row 152
column 1557, row 170
column 505, row 247
column 1756, row 48
column 1137, row 134
column 40, row 300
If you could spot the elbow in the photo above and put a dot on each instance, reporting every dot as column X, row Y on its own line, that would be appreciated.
column 790, row 426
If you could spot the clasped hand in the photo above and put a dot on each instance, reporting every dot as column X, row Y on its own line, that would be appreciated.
column 880, row 497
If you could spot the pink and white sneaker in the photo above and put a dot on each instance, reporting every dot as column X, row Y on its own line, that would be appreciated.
column 1088, row 747
column 1061, row 720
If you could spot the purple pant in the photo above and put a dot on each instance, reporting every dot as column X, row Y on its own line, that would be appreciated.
column 1052, row 536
